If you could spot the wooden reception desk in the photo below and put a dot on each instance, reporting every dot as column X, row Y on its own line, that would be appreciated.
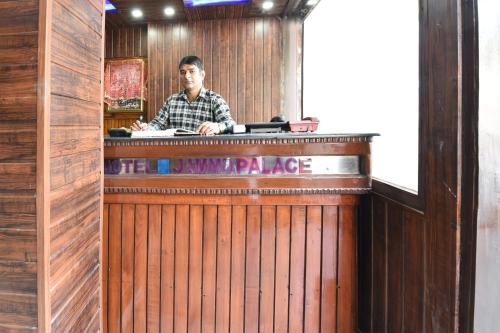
column 233, row 233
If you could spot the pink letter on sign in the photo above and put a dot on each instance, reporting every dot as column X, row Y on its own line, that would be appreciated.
column 278, row 166
column 241, row 163
column 305, row 165
column 254, row 166
column 291, row 165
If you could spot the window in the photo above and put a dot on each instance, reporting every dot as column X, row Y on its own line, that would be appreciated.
column 361, row 76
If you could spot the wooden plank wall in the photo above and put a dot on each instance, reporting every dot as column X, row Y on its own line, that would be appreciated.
column 217, row 267
column 418, row 256
column 75, row 163
column 243, row 62
column 392, row 248
column 125, row 43
column 18, row 109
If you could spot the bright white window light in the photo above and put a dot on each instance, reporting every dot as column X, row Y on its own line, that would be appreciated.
column 388, row 79
column 311, row 2
column 137, row 13
column 266, row 5
column 169, row 11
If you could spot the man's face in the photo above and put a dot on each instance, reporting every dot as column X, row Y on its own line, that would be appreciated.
column 191, row 77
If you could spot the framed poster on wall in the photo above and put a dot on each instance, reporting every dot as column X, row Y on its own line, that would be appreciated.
column 125, row 84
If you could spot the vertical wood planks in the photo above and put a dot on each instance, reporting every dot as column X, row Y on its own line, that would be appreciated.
column 313, row 270
column 242, row 82
column 413, row 280
column 329, row 268
column 129, row 42
column 127, row 292
column 394, row 258
column 167, row 268
column 238, row 269
column 347, row 278
column 282, row 277
column 141, row 267
column 395, row 268
column 297, row 269
column 209, row 268
column 105, row 264
column 126, row 42
column 250, row 71
column 223, row 268
column 379, row 320
column 181, row 268
column 114, row 262
column 267, row 65
column 267, row 269
column 195, row 268
column 232, row 69
column 154, row 268
column 258, row 77
column 252, row 283
column 242, row 58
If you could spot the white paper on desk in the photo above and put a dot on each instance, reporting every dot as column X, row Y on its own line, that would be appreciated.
column 154, row 134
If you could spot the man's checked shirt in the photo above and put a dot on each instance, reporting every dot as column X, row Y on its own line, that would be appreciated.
column 178, row 112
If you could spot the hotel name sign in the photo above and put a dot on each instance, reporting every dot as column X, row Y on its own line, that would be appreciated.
column 235, row 166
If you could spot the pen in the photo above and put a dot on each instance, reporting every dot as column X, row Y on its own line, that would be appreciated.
column 138, row 123
column 141, row 121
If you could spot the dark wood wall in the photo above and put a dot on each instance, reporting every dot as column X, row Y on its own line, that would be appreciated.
column 417, row 253
column 76, row 52
column 18, row 141
column 230, row 264
column 128, row 42
column 392, row 247
column 243, row 63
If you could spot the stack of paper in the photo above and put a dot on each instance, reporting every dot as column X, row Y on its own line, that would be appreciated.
column 154, row 134
column 162, row 134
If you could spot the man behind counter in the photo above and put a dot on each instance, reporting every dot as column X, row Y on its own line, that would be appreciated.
column 195, row 108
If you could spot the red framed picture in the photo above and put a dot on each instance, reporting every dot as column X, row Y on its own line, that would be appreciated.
column 125, row 84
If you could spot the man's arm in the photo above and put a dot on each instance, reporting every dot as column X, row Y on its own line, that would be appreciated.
column 223, row 122
column 222, row 114
column 160, row 121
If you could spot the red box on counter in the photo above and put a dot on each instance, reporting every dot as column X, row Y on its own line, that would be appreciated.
column 308, row 124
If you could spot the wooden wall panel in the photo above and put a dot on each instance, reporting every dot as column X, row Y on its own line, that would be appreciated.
column 222, row 295
column 18, row 140
column 125, row 42
column 392, row 262
column 140, row 268
column 119, row 119
column 215, row 267
column 75, row 158
column 421, row 249
column 297, row 267
column 243, row 63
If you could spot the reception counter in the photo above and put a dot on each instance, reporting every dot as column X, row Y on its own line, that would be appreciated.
column 233, row 233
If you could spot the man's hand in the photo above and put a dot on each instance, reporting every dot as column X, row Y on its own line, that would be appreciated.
column 138, row 126
column 208, row 128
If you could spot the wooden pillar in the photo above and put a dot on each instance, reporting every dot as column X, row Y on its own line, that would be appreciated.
column 50, row 164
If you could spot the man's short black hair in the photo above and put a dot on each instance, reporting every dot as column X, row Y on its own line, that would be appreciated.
column 191, row 60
